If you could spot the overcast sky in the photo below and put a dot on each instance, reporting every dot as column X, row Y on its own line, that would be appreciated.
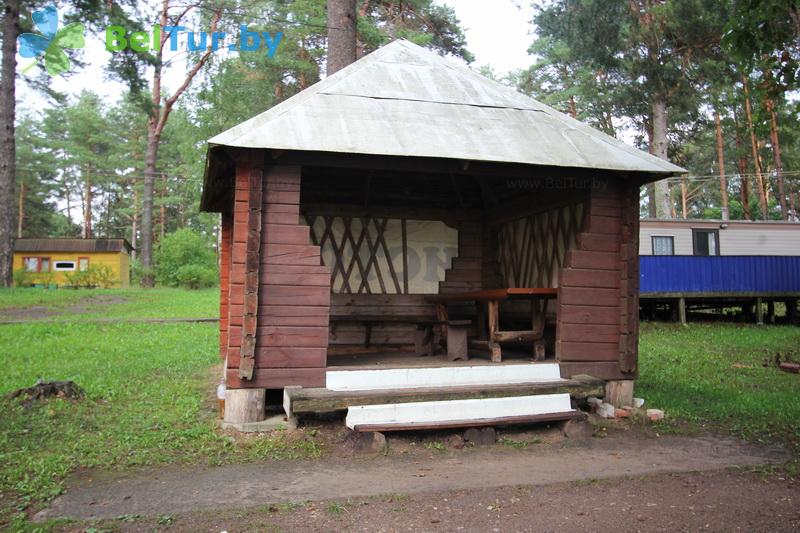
column 498, row 34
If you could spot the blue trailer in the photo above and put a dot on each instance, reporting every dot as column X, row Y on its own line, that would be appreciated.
column 704, row 282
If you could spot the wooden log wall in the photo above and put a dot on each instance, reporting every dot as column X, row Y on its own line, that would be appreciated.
column 597, row 322
column 291, row 327
column 464, row 273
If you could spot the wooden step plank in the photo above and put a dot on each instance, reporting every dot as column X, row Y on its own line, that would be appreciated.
column 443, row 376
column 321, row 400
column 471, row 409
column 452, row 424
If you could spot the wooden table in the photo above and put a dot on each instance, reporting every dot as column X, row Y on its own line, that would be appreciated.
column 489, row 332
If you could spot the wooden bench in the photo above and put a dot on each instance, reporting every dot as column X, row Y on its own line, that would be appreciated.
column 455, row 332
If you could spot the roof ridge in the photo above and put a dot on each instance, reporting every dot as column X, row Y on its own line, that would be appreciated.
column 440, row 102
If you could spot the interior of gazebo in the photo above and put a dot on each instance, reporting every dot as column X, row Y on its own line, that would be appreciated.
column 434, row 268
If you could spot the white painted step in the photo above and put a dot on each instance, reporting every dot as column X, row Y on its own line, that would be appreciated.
column 445, row 376
column 456, row 410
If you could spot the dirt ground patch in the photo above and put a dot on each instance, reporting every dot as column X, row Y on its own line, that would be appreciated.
column 168, row 491
column 716, row 501
column 87, row 304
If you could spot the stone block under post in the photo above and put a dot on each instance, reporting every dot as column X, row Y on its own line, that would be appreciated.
column 619, row 393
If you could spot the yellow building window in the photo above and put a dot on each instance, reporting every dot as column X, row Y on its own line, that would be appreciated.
column 36, row 264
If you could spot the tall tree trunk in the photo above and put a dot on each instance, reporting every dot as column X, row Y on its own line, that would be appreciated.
column 68, row 200
column 573, row 109
column 151, row 156
column 651, row 187
column 163, row 212
column 147, row 201
column 762, row 193
column 21, row 212
column 776, row 154
column 684, row 198
column 723, row 180
column 155, row 126
column 134, row 221
column 741, row 164
column 8, row 153
column 341, row 34
column 663, row 200
column 87, row 208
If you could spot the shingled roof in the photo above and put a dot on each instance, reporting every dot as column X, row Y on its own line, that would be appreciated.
column 404, row 100
column 72, row 245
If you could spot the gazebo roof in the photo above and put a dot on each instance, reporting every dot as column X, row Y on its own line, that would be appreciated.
column 404, row 100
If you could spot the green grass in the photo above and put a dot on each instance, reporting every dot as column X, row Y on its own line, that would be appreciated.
column 82, row 304
column 148, row 402
column 149, row 389
column 712, row 375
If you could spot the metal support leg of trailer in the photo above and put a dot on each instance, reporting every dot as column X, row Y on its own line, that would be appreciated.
column 682, row 310
column 759, row 312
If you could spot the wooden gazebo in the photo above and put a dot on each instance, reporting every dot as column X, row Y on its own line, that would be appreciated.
column 407, row 203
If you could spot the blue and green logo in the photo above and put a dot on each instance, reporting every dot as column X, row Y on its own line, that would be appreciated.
column 49, row 45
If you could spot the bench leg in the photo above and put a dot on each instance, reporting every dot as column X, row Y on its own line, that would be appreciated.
column 538, row 350
column 457, row 343
column 423, row 341
column 496, row 352
column 441, row 315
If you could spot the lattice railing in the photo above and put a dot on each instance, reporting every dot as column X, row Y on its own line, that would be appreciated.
column 375, row 255
column 532, row 249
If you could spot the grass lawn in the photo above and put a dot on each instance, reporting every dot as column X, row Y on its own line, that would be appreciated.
column 148, row 397
column 149, row 388
column 713, row 375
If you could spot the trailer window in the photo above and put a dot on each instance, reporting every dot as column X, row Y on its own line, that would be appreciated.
column 663, row 245
column 706, row 241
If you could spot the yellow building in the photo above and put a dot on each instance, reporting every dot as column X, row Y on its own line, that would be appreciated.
column 65, row 262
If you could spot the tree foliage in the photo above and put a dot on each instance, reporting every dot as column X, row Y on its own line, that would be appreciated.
column 615, row 63
column 185, row 258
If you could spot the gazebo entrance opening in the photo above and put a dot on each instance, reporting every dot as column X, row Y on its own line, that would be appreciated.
column 425, row 262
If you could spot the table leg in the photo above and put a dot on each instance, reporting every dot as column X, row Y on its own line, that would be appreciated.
column 481, row 324
column 538, row 317
column 493, row 308
column 423, row 341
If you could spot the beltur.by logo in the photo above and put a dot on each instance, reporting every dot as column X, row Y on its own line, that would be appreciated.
column 49, row 45
column 118, row 38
